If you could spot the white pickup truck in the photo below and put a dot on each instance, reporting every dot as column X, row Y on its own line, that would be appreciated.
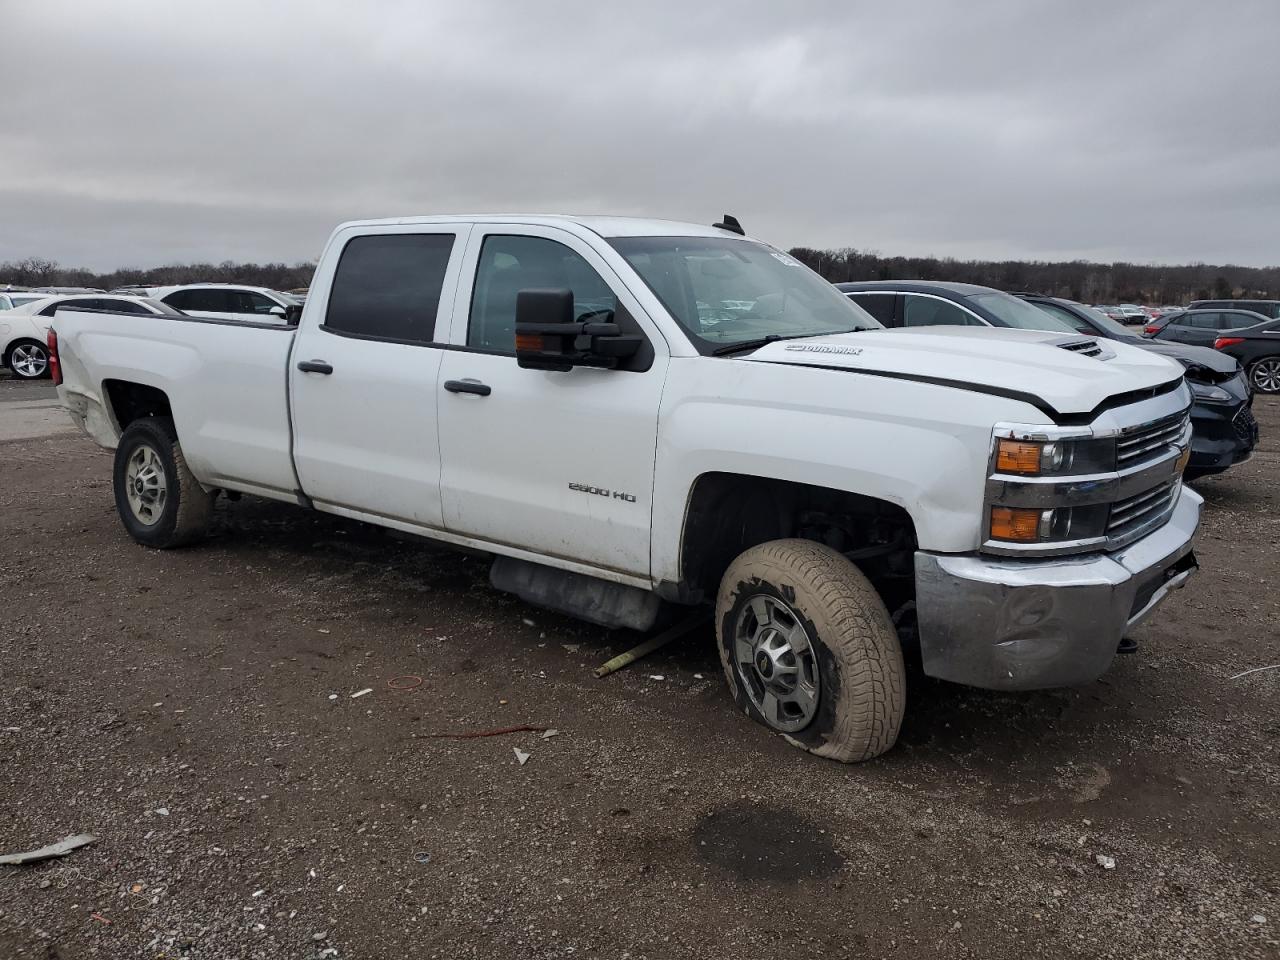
column 631, row 415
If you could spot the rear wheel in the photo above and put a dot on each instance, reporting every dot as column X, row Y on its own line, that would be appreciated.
column 1265, row 375
column 160, row 502
column 809, row 650
column 28, row 359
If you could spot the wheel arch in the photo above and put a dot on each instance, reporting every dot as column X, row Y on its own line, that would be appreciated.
column 729, row 513
column 127, row 401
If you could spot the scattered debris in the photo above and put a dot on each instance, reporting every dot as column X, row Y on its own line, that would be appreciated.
column 333, row 696
column 1274, row 666
column 162, row 811
column 548, row 734
column 500, row 732
column 521, row 757
column 320, row 936
column 653, row 643
column 527, row 622
column 361, row 693
column 698, row 676
column 1257, row 918
column 571, row 647
column 406, row 682
column 59, row 849
column 258, row 893
column 1105, row 862
column 100, row 918
column 656, row 676
column 620, row 812
column 322, row 630
column 422, row 856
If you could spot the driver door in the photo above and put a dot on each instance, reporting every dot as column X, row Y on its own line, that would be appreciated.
column 555, row 463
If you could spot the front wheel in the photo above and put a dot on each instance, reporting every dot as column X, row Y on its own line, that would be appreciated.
column 1265, row 375
column 809, row 650
column 160, row 502
column 29, row 360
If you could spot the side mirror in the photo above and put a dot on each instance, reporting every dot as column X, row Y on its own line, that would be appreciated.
column 292, row 313
column 549, row 338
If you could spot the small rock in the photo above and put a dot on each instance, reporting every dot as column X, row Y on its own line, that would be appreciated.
column 46, row 884
column 1258, row 918
column 1105, row 862
column 321, row 935
column 521, row 757
column 656, row 676
column 162, row 811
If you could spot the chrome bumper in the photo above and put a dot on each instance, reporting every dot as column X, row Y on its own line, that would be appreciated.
column 1024, row 625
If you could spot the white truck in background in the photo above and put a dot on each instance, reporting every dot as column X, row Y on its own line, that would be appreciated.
column 630, row 415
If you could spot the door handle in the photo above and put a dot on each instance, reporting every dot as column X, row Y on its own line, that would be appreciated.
column 315, row 366
column 468, row 386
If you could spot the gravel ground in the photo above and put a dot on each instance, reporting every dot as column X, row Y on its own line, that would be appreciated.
column 194, row 709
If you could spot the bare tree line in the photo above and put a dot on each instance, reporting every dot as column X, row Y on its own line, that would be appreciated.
column 37, row 272
column 1077, row 280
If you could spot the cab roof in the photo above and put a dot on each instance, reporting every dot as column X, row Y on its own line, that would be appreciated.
column 601, row 225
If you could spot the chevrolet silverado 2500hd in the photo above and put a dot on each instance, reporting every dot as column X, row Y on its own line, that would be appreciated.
column 633, row 414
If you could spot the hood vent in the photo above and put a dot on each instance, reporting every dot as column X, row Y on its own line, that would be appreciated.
column 1086, row 348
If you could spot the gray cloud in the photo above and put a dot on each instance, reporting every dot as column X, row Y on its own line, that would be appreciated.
column 153, row 132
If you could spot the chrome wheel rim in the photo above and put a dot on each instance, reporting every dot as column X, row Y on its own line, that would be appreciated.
column 145, row 485
column 776, row 663
column 29, row 360
column 1266, row 376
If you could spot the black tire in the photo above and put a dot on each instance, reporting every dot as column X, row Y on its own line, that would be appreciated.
column 854, row 652
column 34, row 363
column 1265, row 371
column 181, row 516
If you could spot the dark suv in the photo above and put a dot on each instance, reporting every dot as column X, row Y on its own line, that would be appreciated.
column 1268, row 308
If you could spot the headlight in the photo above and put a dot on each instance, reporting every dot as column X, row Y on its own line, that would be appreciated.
column 1048, row 458
column 1207, row 391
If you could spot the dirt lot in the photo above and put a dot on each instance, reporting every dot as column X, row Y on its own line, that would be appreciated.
column 194, row 710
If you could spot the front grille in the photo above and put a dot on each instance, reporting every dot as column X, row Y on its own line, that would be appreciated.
column 1246, row 425
column 1086, row 348
column 1148, row 441
column 1142, row 510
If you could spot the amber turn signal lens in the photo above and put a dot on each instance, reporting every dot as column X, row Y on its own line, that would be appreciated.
column 529, row 341
column 1019, row 524
column 1015, row 457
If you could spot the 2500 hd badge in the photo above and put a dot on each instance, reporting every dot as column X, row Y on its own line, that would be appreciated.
column 602, row 492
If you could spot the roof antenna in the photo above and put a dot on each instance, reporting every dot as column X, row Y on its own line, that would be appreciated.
column 731, row 224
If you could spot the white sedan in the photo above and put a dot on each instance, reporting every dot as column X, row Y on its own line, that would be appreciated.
column 24, row 329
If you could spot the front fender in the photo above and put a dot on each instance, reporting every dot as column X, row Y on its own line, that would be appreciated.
column 920, row 446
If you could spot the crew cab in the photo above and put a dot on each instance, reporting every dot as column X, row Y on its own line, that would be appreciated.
column 633, row 415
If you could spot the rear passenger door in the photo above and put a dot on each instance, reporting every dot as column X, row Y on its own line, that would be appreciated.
column 559, row 464
column 363, row 374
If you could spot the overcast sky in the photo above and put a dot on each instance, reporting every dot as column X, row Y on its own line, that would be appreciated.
column 138, row 133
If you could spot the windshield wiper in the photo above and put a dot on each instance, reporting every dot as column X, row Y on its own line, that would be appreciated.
column 774, row 338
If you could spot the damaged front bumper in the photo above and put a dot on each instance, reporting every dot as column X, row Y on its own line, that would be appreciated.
column 1025, row 625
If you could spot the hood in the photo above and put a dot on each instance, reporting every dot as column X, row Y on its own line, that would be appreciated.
column 1045, row 368
column 1214, row 360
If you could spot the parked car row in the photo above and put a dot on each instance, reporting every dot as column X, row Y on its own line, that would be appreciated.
column 1225, row 431
column 25, row 316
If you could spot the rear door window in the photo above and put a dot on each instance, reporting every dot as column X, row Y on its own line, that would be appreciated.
column 387, row 286
column 921, row 311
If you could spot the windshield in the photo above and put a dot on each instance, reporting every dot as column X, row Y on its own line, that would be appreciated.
column 724, row 291
column 1012, row 312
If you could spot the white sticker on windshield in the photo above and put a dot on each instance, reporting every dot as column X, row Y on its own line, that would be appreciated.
column 789, row 261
